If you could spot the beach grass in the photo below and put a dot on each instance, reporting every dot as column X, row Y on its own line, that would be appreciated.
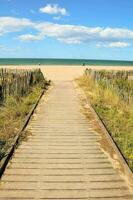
column 14, row 109
column 116, row 113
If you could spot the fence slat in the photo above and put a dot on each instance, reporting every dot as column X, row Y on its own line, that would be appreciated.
column 17, row 82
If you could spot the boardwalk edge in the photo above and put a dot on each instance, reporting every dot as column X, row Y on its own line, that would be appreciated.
column 122, row 161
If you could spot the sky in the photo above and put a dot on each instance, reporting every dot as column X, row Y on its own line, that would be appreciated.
column 78, row 29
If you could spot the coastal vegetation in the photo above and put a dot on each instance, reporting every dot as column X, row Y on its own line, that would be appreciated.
column 111, row 95
column 19, row 91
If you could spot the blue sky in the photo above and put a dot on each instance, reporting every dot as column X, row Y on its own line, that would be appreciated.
column 90, row 29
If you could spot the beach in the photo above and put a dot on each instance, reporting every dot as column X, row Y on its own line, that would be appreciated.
column 72, row 72
column 64, row 72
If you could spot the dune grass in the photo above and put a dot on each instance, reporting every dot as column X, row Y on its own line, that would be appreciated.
column 13, row 112
column 115, row 112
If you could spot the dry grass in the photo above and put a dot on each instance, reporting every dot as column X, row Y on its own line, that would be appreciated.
column 12, row 116
column 116, row 114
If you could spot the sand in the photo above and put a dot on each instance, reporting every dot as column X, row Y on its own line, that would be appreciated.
column 60, row 73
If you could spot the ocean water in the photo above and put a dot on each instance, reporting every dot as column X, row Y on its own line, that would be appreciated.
column 37, row 61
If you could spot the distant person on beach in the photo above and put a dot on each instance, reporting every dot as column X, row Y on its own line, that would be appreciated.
column 83, row 64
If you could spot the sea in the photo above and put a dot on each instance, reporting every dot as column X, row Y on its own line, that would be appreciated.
column 71, row 62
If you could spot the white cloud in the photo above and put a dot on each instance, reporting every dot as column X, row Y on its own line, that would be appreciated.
column 12, row 24
column 80, row 34
column 116, row 33
column 53, row 9
column 119, row 44
column 70, row 40
column 70, row 34
column 113, row 45
column 30, row 37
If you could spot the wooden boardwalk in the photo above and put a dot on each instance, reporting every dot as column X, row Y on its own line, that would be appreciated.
column 62, row 158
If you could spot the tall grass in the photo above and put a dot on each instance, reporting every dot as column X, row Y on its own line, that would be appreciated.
column 107, row 93
column 16, row 105
column 18, row 83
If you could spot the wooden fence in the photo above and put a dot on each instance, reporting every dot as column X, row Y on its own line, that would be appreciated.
column 18, row 82
column 119, row 81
